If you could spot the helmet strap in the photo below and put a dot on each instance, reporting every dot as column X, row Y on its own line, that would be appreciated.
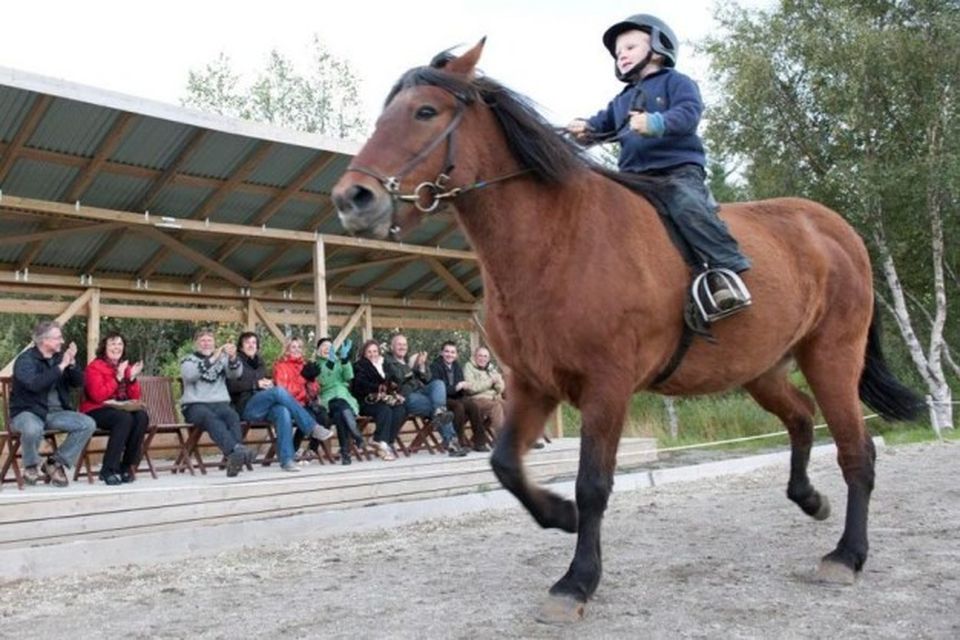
column 633, row 74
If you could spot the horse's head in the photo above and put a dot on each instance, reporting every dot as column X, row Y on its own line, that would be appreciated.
column 404, row 169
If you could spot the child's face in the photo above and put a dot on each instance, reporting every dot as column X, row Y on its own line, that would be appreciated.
column 632, row 47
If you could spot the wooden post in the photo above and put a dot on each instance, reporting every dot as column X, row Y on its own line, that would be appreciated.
column 368, row 323
column 320, row 289
column 251, row 316
column 474, row 343
column 93, row 325
column 557, row 420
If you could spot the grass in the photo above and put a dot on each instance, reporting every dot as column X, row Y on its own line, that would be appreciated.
column 731, row 416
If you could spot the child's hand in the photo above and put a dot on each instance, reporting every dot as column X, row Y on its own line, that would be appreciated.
column 578, row 128
column 638, row 122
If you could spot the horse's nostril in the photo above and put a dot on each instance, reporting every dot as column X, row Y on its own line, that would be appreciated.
column 355, row 198
column 360, row 196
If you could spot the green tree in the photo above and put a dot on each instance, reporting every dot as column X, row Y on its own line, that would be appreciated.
column 856, row 104
column 323, row 99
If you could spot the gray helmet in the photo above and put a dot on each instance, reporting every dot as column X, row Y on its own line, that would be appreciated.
column 662, row 38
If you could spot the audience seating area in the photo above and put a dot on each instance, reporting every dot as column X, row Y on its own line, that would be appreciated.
column 174, row 446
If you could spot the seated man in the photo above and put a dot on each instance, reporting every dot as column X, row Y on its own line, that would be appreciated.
column 422, row 396
column 485, row 387
column 206, row 401
column 40, row 401
column 255, row 398
column 446, row 367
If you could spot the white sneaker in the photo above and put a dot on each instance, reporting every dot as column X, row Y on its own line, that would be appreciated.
column 321, row 433
column 290, row 466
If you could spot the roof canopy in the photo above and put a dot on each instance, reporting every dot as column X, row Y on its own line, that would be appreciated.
column 103, row 189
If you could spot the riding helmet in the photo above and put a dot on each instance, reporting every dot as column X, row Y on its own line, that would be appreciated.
column 662, row 38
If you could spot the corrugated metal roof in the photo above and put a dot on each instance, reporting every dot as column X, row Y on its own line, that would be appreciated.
column 72, row 127
column 179, row 158
column 152, row 143
column 40, row 180
column 14, row 106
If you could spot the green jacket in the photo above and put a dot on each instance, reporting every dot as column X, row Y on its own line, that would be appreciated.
column 481, row 381
column 334, row 382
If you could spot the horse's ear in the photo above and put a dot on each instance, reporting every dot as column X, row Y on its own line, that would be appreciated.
column 467, row 63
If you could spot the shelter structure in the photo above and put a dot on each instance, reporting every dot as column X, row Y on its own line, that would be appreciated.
column 117, row 206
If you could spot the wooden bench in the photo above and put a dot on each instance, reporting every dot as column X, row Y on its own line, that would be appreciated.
column 11, row 441
column 156, row 393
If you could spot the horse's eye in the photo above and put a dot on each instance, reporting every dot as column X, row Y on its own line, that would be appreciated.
column 426, row 112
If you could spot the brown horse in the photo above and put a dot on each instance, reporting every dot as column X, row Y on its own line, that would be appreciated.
column 584, row 294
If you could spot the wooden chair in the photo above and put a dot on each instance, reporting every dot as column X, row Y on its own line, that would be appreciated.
column 424, row 436
column 156, row 393
column 11, row 441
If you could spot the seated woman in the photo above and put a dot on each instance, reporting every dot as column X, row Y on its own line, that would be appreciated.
column 485, row 386
column 255, row 398
column 111, row 398
column 370, row 388
column 288, row 374
column 334, row 375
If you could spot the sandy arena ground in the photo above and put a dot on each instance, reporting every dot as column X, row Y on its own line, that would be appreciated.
column 724, row 558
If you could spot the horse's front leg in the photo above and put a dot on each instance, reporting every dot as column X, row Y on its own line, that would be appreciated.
column 527, row 412
column 602, row 423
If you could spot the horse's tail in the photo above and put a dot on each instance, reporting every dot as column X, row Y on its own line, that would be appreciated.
column 879, row 388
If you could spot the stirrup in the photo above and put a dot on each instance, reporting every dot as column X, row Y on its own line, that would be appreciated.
column 704, row 300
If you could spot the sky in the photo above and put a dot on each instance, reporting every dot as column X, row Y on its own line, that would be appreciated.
column 549, row 50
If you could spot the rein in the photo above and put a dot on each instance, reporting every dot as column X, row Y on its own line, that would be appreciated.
column 435, row 191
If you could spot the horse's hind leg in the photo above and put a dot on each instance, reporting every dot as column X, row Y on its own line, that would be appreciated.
column 527, row 412
column 833, row 370
column 773, row 392
column 602, row 423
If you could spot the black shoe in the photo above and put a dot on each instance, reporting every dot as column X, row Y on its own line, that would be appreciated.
column 345, row 459
column 454, row 450
column 481, row 448
column 112, row 479
column 128, row 477
column 235, row 461
column 55, row 471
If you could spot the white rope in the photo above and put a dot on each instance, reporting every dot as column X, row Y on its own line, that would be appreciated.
column 702, row 445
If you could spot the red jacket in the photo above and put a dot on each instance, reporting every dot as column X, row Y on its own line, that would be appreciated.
column 100, row 384
column 286, row 374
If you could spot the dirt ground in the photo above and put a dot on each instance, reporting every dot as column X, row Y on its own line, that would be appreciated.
column 724, row 558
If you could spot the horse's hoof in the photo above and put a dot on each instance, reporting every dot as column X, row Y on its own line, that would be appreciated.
column 831, row 572
column 561, row 610
column 824, row 511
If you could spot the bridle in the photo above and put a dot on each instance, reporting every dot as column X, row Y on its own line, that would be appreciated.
column 436, row 190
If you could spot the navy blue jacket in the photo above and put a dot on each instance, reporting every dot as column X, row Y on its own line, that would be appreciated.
column 34, row 376
column 674, row 96
column 438, row 369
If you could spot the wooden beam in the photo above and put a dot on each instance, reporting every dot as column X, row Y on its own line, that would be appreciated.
column 320, row 289
column 93, row 325
column 104, row 150
column 193, row 255
column 29, row 125
column 166, row 289
column 368, row 324
column 62, row 231
column 62, row 319
column 271, row 208
column 251, row 316
column 268, row 320
column 164, row 179
column 148, row 174
column 251, row 162
column 450, row 279
column 220, row 228
column 348, row 327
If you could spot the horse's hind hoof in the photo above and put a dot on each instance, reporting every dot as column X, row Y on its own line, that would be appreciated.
column 830, row 572
column 558, row 609
column 824, row 511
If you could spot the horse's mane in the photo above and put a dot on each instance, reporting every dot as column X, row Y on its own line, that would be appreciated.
column 533, row 141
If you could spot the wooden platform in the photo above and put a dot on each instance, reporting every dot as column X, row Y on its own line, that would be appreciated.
column 42, row 527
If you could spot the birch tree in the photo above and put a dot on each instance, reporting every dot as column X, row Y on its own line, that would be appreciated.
column 855, row 104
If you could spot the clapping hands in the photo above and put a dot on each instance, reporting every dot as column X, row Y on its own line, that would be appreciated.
column 345, row 349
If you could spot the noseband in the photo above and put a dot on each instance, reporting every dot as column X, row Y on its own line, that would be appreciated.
column 436, row 190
